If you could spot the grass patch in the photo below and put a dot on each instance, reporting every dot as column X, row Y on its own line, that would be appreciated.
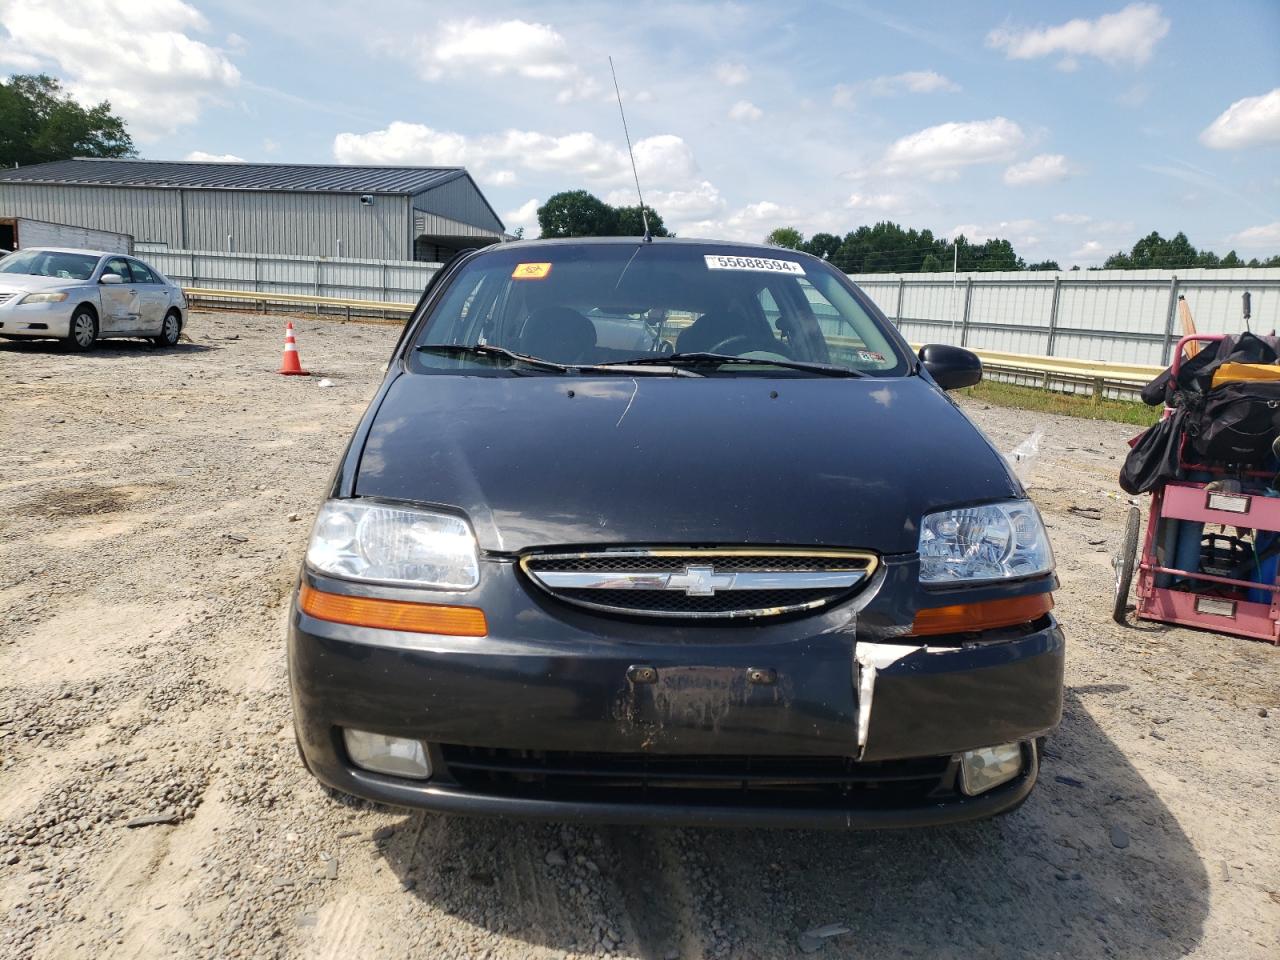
column 1069, row 404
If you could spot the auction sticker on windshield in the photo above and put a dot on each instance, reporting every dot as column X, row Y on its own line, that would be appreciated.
column 718, row 262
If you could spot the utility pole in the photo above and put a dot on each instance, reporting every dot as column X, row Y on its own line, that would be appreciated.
column 955, row 264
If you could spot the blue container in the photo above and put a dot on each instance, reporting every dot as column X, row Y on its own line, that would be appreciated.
column 1186, row 553
column 1264, row 572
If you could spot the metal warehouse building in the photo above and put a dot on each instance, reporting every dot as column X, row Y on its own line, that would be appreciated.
column 380, row 213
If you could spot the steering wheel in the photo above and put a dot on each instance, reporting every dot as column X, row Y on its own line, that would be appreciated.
column 725, row 345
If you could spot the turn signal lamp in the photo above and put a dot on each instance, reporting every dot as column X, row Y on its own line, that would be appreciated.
column 986, row 615
column 445, row 619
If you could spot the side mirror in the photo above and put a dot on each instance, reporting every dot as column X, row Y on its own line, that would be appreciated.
column 951, row 367
column 111, row 278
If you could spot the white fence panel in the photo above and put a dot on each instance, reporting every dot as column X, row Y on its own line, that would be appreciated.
column 388, row 281
column 1119, row 315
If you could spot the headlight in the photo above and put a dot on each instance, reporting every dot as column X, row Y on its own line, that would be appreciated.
column 996, row 541
column 379, row 543
column 44, row 298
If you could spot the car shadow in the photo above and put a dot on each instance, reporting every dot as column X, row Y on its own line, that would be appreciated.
column 103, row 348
column 1092, row 865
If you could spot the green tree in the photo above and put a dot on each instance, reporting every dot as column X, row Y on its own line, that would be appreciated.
column 788, row 237
column 576, row 213
column 629, row 223
column 1044, row 265
column 822, row 245
column 1154, row 252
column 930, row 264
column 40, row 123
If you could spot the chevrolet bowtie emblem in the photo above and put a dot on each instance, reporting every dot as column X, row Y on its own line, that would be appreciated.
column 700, row 581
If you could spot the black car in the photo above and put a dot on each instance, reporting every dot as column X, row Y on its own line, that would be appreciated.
column 673, row 531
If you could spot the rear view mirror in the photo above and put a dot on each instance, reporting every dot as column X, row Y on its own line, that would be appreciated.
column 111, row 278
column 951, row 367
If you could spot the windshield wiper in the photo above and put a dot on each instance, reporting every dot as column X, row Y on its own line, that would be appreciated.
column 489, row 350
column 717, row 359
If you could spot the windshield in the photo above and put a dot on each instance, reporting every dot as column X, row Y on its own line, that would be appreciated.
column 49, row 263
column 609, row 303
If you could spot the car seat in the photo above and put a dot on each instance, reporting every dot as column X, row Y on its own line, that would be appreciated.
column 717, row 326
column 558, row 333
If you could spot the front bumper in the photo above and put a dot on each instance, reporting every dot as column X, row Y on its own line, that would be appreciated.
column 36, row 319
column 831, row 698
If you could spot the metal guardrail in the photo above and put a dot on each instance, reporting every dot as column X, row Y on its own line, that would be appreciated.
column 261, row 298
column 1101, row 378
column 1097, row 377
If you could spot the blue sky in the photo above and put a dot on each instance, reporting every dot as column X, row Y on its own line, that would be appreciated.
column 1071, row 129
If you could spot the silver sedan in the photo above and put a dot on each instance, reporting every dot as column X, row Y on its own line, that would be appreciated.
column 82, row 296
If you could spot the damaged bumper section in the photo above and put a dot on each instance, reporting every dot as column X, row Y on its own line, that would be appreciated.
column 823, row 731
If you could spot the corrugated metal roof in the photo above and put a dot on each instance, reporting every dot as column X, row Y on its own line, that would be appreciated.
column 235, row 176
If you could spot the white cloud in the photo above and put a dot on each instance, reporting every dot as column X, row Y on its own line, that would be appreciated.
column 1128, row 36
column 1072, row 218
column 732, row 74
column 744, row 111
column 1090, row 250
column 143, row 59
column 461, row 47
column 700, row 201
column 498, row 178
column 1046, row 168
column 664, row 161
column 939, row 151
column 533, row 51
column 1246, row 123
column 1021, row 233
column 874, row 202
column 844, row 95
column 201, row 157
column 751, row 223
column 1267, row 235
column 525, row 215
column 1135, row 96
column 913, row 81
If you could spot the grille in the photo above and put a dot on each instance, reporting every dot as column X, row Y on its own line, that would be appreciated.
column 728, row 562
column 700, row 582
column 730, row 601
column 800, row 782
column 6, row 297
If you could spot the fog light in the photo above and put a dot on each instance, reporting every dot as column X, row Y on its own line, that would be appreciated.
column 980, row 770
column 396, row 756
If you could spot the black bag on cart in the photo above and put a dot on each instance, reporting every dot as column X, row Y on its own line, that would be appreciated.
column 1154, row 457
column 1237, row 423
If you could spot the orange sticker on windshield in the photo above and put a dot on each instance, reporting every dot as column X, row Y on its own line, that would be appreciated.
column 531, row 271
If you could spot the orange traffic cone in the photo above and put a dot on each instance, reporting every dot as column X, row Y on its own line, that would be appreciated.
column 289, row 364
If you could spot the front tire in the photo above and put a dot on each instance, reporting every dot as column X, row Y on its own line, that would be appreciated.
column 170, row 329
column 82, row 333
column 1123, row 562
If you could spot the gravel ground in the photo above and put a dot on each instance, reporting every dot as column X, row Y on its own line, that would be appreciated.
column 147, row 546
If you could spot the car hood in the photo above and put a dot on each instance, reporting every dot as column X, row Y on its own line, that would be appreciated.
column 540, row 461
column 29, row 283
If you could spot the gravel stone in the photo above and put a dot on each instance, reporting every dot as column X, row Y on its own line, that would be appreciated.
column 162, row 688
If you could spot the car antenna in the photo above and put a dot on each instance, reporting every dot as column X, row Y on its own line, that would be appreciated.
column 644, row 217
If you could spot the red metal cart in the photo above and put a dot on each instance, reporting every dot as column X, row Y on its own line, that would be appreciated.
column 1204, row 596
